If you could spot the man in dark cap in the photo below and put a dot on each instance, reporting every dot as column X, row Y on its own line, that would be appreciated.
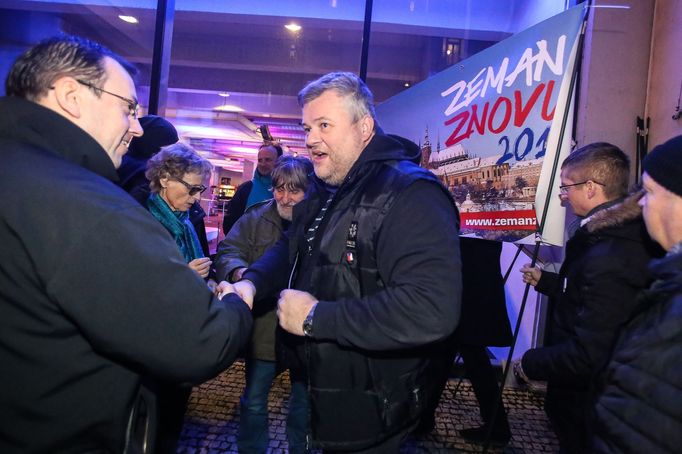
column 639, row 409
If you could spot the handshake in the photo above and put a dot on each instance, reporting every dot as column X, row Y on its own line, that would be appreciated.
column 293, row 306
column 244, row 289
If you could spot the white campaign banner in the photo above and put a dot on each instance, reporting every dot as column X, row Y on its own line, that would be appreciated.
column 500, row 114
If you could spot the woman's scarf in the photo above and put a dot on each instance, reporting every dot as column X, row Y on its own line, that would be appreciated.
column 261, row 189
column 177, row 223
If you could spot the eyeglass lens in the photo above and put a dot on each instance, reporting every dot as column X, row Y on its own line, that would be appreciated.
column 192, row 189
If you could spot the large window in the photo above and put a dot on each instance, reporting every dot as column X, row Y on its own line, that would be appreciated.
column 241, row 64
column 125, row 30
column 237, row 65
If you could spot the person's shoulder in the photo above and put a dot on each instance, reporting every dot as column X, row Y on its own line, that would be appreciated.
column 244, row 187
column 20, row 157
column 255, row 213
column 261, row 206
column 260, row 209
column 626, row 241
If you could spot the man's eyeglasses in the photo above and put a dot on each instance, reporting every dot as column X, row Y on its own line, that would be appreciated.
column 133, row 106
column 563, row 189
column 193, row 190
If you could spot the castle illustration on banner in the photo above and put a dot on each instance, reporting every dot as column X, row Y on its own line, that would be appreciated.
column 480, row 184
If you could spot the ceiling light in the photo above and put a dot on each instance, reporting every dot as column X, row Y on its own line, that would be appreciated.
column 228, row 108
column 224, row 94
column 238, row 149
column 129, row 19
column 407, row 84
column 292, row 27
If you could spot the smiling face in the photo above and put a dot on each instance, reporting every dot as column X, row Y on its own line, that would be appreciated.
column 176, row 194
column 107, row 118
column 286, row 197
column 333, row 139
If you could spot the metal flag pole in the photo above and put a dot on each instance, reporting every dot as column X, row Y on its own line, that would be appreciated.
column 538, row 235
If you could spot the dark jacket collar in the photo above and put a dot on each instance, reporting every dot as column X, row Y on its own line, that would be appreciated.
column 27, row 122
column 384, row 147
column 603, row 206
column 388, row 147
column 668, row 268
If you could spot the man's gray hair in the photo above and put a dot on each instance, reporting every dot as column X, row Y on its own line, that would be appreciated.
column 346, row 85
column 292, row 173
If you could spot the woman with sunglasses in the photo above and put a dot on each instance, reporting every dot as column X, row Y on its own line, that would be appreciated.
column 175, row 177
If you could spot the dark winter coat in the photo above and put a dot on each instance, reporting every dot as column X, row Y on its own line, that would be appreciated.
column 640, row 406
column 249, row 238
column 237, row 206
column 385, row 267
column 593, row 295
column 93, row 294
column 591, row 298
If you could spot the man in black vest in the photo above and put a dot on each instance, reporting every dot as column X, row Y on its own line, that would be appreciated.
column 373, row 270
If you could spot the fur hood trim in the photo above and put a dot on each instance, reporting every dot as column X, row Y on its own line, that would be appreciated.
column 617, row 215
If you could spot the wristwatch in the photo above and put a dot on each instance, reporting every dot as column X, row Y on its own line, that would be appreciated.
column 308, row 322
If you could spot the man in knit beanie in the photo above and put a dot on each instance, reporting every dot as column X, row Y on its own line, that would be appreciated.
column 662, row 203
column 639, row 408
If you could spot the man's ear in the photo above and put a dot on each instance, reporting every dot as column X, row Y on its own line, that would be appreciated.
column 592, row 189
column 367, row 127
column 68, row 96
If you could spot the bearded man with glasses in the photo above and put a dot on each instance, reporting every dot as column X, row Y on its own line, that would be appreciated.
column 593, row 294
column 94, row 294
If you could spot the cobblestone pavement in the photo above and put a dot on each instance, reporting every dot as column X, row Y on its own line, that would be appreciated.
column 212, row 419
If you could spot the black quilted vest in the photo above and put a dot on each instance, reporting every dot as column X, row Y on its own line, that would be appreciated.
column 358, row 398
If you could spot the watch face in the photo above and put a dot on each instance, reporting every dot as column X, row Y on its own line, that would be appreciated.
column 308, row 328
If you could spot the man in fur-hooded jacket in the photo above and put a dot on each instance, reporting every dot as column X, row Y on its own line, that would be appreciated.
column 594, row 293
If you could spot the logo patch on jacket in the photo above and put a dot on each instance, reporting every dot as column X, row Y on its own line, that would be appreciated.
column 352, row 235
column 351, row 242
